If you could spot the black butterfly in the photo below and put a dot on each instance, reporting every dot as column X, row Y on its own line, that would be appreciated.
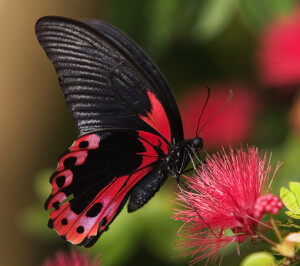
column 130, row 131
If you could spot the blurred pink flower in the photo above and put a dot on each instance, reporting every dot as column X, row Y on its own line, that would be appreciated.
column 232, row 125
column 73, row 259
column 225, row 202
column 279, row 52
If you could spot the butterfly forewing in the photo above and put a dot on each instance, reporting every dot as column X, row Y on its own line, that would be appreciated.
column 105, row 77
column 147, row 66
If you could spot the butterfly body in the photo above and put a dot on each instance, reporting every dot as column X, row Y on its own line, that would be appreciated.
column 130, row 130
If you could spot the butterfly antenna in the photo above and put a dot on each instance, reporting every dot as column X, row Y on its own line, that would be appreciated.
column 227, row 101
column 206, row 101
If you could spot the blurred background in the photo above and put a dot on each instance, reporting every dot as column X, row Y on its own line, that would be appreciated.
column 249, row 46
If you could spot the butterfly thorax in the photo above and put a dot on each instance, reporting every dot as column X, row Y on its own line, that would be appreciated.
column 180, row 155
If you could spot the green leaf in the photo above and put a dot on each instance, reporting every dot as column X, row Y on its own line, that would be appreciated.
column 291, row 199
column 295, row 188
column 293, row 215
column 259, row 258
column 213, row 18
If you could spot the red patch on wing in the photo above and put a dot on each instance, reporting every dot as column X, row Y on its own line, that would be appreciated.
column 157, row 117
column 149, row 140
column 61, row 180
column 78, row 156
column 87, row 142
column 63, row 177
column 79, row 150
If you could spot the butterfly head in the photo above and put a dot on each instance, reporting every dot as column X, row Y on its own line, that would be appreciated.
column 197, row 143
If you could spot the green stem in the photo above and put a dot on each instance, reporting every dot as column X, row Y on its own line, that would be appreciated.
column 266, row 239
column 274, row 225
column 291, row 225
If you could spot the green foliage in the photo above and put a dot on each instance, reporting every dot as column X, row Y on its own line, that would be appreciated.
column 213, row 17
column 291, row 199
column 41, row 184
column 260, row 13
column 33, row 219
column 290, row 156
column 119, row 242
column 162, row 16
column 259, row 258
column 288, row 153
column 157, row 25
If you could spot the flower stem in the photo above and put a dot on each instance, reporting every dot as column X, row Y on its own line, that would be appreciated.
column 291, row 225
column 266, row 239
column 274, row 225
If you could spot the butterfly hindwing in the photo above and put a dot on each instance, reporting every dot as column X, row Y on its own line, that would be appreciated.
column 95, row 177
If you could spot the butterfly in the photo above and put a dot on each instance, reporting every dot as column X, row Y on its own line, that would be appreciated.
column 130, row 135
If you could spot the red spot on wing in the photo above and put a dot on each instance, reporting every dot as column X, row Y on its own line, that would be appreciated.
column 157, row 117
column 79, row 155
column 92, row 140
column 68, row 180
column 58, row 198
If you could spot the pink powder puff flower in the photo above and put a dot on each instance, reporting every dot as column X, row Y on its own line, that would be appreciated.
column 225, row 202
column 73, row 259
column 232, row 125
column 279, row 52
